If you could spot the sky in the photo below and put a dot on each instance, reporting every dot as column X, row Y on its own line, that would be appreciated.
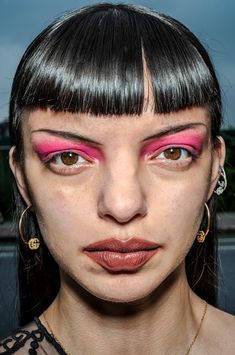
column 213, row 21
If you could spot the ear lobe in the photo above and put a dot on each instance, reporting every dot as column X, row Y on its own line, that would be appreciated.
column 218, row 159
column 19, row 176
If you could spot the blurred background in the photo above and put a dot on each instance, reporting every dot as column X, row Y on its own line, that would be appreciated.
column 213, row 22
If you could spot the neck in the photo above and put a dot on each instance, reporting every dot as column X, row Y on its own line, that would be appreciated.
column 166, row 319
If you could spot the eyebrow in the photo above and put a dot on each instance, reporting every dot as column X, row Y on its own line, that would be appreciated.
column 67, row 135
column 174, row 129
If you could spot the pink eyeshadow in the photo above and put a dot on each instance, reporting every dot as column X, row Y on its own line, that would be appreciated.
column 46, row 147
column 193, row 140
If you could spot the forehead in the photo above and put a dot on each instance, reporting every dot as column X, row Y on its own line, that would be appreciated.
column 111, row 126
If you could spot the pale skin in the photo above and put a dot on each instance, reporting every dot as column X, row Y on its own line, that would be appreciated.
column 122, row 194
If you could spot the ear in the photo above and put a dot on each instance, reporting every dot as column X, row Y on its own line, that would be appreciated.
column 17, row 171
column 218, row 159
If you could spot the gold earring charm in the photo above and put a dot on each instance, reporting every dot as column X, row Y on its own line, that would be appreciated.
column 222, row 182
column 201, row 235
column 34, row 242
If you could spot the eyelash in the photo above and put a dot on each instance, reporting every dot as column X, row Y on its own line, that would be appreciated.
column 60, row 167
column 179, row 162
column 51, row 160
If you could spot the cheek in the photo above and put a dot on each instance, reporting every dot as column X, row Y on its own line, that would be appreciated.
column 61, row 210
column 179, row 205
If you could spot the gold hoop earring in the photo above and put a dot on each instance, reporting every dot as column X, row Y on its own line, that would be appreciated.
column 201, row 235
column 34, row 242
column 222, row 182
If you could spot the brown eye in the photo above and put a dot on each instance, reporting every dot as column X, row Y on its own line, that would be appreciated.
column 69, row 158
column 173, row 153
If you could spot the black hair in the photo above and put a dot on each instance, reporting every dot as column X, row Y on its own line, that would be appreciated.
column 97, row 60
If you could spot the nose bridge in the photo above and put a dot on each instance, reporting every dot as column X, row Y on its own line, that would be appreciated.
column 122, row 196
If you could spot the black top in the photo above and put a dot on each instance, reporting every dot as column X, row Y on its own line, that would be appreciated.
column 33, row 339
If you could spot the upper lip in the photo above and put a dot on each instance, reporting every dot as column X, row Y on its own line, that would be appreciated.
column 117, row 245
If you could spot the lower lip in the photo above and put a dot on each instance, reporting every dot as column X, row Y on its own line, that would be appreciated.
column 115, row 261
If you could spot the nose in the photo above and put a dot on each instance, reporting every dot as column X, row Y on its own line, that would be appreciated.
column 122, row 197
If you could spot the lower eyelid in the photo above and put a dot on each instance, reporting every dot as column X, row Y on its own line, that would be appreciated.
column 63, row 169
column 67, row 170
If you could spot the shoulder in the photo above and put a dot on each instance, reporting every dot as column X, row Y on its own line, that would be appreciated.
column 222, row 320
column 220, row 331
column 23, row 341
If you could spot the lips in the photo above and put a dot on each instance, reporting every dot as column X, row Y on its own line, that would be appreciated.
column 117, row 256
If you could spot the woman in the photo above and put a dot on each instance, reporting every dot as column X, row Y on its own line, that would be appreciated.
column 115, row 116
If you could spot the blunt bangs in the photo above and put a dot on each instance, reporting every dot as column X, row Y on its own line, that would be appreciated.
column 95, row 61
column 110, row 59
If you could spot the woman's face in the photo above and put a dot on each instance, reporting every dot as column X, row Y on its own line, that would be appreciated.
column 119, row 200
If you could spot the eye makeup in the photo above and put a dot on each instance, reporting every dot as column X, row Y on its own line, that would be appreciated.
column 189, row 142
column 189, row 139
column 47, row 148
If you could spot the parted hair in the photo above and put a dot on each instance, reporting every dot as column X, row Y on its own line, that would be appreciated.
column 96, row 60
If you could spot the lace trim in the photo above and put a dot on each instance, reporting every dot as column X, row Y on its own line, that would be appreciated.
column 18, row 340
column 50, row 338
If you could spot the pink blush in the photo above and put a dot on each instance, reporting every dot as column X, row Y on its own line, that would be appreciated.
column 184, row 139
column 47, row 147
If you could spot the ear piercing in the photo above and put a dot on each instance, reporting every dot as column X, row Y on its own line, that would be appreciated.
column 222, row 182
column 34, row 242
column 201, row 235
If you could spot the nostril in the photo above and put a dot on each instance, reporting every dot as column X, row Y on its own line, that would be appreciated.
column 123, row 213
column 122, row 199
column 121, row 220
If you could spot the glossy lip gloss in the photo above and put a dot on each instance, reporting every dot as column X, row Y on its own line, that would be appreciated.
column 121, row 256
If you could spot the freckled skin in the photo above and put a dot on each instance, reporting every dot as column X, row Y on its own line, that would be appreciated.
column 120, row 196
column 133, row 192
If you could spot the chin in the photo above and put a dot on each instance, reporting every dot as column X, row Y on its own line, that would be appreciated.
column 119, row 288
column 124, row 297
column 122, row 291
